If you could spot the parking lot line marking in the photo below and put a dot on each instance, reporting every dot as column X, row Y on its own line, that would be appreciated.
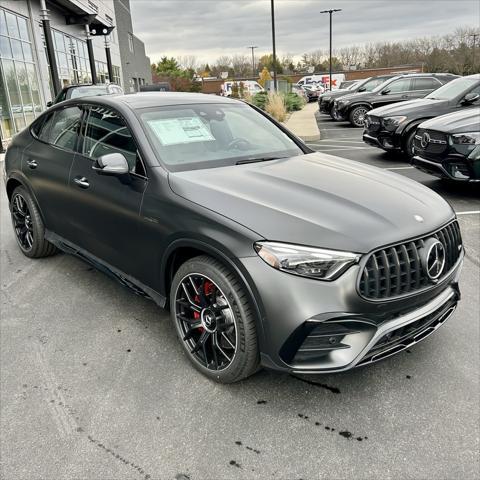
column 471, row 212
column 398, row 168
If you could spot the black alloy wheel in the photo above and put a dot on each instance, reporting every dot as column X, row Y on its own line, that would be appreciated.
column 214, row 321
column 28, row 225
column 22, row 222
column 207, row 322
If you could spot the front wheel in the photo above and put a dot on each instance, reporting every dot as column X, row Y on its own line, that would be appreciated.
column 408, row 146
column 28, row 225
column 214, row 320
column 357, row 116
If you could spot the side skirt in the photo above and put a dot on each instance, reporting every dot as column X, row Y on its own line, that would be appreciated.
column 126, row 280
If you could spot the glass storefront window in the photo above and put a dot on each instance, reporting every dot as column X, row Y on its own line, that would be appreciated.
column 72, row 59
column 20, row 99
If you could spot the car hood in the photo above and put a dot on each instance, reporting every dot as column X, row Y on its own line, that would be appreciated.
column 317, row 199
column 466, row 120
column 413, row 108
column 336, row 93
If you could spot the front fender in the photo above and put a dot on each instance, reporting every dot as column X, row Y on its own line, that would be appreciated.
column 211, row 247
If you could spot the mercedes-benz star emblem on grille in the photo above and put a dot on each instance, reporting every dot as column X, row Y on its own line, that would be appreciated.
column 425, row 140
column 435, row 260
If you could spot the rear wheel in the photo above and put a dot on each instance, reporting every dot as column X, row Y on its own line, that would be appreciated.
column 357, row 116
column 28, row 225
column 214, row 320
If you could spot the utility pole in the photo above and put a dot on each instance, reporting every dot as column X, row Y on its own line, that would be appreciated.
column 474, row 36
column 253, row 47
column 330, row 13
column 274, row 48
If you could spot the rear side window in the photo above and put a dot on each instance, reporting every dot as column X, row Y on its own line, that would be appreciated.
column 61, row 128
column 426, row 84
column 106, row 132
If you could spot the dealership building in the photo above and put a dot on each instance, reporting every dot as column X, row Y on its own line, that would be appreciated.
column 48, row 44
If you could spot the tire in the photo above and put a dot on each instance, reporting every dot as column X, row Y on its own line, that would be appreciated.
column 408, row 144
column 335, row 115
column 357, row 115
column 28, row 225
column 193, row 304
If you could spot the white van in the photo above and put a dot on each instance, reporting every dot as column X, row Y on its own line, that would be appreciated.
column 251, row 86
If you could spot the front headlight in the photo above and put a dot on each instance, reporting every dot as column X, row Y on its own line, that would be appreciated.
column 308, row 262
column 469, row 138
column 391, row 123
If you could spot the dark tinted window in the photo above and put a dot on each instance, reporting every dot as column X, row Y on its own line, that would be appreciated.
column 426, row 84
column 106, row 132
column 61, row 128
column 402, row 85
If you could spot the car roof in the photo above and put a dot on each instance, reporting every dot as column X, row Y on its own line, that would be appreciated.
column 136, row 101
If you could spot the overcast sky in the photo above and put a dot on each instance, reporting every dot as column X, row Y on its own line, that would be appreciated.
column 211, row 28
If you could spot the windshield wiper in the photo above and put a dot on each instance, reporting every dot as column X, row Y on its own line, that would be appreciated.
column 255, row 160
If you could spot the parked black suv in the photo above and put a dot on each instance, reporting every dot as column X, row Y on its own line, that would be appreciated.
column 325, row 101
column 393, row 127
column 397, row 89
column 449, row 146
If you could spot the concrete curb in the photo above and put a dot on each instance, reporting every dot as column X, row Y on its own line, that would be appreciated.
column 304, row 123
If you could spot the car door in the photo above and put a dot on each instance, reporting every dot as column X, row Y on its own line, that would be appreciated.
column 396, row 91
column 47, row 162
column 106, row 208
column 422, row 86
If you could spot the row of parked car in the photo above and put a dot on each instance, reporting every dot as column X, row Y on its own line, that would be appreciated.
column 434, row 119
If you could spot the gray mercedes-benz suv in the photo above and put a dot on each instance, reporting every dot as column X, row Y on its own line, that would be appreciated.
column 265, row 252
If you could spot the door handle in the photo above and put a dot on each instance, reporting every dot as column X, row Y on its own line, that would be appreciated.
column 82, row 182
column 32, row 164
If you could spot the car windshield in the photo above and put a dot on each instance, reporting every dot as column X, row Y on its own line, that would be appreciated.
column 453, row 89
column 189, row 137
column 87, row 91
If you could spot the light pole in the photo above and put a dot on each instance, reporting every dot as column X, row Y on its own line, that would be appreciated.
column 273, row 45
column 253, row 47
column 474, row 36
column 330, row 13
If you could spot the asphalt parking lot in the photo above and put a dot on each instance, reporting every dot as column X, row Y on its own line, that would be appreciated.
column 94, row 384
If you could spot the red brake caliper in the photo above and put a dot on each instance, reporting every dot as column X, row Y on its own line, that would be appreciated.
column 207, row 290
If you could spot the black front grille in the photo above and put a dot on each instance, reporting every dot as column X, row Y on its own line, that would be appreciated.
column 399, row 270
column 437, row 145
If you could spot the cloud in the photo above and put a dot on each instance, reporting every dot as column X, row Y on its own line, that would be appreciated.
column 210, row 28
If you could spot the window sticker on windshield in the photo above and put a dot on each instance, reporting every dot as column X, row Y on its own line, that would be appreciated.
column 174, row 131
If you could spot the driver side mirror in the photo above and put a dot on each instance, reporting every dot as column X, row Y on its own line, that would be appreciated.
column 386, row 91
column 111, row 164
column 361, row 89
column 471, row 97
column 49, row 104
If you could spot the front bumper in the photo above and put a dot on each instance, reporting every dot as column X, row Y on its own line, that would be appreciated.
column 311, row 326
column 383, row 139
column 452, row 167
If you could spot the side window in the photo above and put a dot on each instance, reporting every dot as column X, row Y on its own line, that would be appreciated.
column 65, row 128
column 402, row 85
column 106, row 132
column 61, row 128
column 426, row 84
